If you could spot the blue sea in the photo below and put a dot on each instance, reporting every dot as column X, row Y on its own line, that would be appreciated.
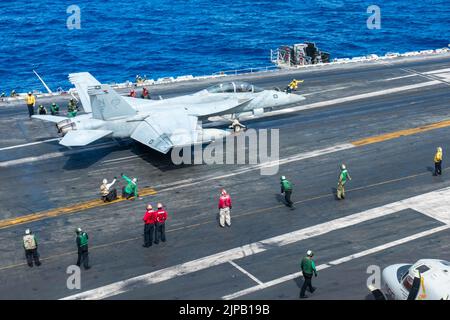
column 119, row 39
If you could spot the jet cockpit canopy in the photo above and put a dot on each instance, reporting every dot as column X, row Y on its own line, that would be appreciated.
column 234, row 87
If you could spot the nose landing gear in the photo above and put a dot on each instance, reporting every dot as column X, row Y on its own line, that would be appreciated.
column 237, row 126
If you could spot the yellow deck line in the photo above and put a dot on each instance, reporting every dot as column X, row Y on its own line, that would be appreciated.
column 66, row 210
column 401, row 133
column 149, row 191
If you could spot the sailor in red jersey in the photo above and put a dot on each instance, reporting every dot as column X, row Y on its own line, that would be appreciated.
column 149, row 228
column 224, row 209
column 161, row 217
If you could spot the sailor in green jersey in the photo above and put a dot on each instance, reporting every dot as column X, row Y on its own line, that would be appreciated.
column 72, row 108
column 286, row 188
column 82, row 244
column 343, row 177
column 308, row 268
column 42, row 110
column 131, row 189
column 54, row 109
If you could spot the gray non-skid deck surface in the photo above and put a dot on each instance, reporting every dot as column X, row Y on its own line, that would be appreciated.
column 67, row 177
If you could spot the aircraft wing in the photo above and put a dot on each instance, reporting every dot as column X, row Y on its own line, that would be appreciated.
column 50, row 118
column 209, row 107
column 78, row 138
column 164, row 129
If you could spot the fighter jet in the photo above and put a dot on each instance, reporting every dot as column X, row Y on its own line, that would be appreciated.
column 427, row 279
column 161, row 124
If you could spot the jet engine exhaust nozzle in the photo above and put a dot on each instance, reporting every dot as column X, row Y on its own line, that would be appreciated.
column 66, row 126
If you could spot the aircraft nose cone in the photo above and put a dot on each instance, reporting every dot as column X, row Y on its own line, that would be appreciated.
column 295, row 98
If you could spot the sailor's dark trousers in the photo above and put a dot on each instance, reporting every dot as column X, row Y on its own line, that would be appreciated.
column 306, row 284
column 160, row 232
column 30, row 110
column 32, row 254
column 83, row 256
column 149, row 229
column 287, row 197
column 438, row 168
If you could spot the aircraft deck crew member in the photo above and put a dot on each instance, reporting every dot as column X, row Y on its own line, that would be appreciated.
column 145, row 94
column 293, row 85
column 237, row 126
column 149, row 227
column 131, row 189
column 31, row 102
column 308, row 268
column 224, row 209
column 42, row 110
column 438, row 162
column 106, row 192
column 343, row 176
column 82, row 244
column 161, row 217
column 54, row 109
column 30, row 245
column 286, row 189
column 72, row 108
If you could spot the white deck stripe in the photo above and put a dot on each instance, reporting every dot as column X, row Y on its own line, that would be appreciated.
column 122, row 159
column 263, row 245
column 346, row 99
column 57, row 154
column 322, row 91
column 396, row 78
column 336, row 262
column 436, row 75
column 245, row 272
column 29, row 144
column 437, row 71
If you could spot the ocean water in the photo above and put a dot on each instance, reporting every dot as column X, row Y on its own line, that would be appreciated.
column 119, row 39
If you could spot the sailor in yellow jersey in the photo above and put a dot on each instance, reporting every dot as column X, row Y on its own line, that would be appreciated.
column 31, row 102
column 293, row 85
column 438, row 162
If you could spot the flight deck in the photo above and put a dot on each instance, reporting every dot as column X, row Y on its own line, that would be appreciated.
column 384, row 120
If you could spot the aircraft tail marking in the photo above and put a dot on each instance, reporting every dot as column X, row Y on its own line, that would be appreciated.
column 107, row 104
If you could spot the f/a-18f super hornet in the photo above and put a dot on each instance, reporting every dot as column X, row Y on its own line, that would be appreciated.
column 160, row 124
column 427, row 279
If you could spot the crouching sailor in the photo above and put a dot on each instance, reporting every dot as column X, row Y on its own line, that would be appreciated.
column 237, row 126
column 131, row 189
column 107, row 193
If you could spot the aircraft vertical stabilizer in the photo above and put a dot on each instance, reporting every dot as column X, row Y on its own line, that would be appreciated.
column 107, row 104
column 81, row 81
